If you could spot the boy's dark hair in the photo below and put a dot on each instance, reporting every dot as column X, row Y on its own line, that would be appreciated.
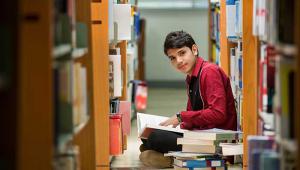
column 178, row 39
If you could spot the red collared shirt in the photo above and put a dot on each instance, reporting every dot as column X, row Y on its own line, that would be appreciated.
column 218, row 102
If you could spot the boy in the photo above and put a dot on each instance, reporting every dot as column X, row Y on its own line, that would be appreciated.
column 210, row 100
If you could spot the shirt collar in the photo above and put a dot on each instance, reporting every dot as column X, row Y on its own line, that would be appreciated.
column 196, row 69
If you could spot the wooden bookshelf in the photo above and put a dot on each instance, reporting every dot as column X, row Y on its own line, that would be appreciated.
column 250, row 67
column 35, row 95
column 86, row 147
column 250, row 78
column 224, row 45
column 99, row 60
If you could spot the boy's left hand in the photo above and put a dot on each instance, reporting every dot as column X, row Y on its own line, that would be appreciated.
column 171, row 121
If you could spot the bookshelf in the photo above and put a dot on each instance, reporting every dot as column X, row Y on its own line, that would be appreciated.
column 224, row 56
column 248, row 92
column 99, row 34
column 253, row 121
column 34, row 77
column 33, row 116
column 250, row 79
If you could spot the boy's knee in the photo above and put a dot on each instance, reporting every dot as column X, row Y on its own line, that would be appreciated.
column 155, row 137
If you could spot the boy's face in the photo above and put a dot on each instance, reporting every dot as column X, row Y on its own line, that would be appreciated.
column 183, row 59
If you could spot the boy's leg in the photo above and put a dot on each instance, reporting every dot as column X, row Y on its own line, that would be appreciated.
column 163, row 141
column 159, row 142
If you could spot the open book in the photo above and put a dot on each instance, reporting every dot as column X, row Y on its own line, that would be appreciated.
column 146, row 123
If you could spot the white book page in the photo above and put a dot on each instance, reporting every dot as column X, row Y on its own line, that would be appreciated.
column 144, row 119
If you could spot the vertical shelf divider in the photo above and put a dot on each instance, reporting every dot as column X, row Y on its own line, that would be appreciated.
column 250, row 78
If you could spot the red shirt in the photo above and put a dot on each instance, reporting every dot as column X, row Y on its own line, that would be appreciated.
column 218, row 102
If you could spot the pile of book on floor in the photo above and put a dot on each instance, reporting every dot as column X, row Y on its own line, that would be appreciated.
column 213, row 149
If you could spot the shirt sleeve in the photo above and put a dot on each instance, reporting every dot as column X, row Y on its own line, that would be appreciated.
column 214, row 93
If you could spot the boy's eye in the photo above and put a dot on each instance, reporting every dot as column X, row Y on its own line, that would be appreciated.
column 181, row 53
column 172, row 58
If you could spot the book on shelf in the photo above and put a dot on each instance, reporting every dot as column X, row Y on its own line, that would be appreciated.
column 256, row 145
column 117, row 75
column 62, row 32
column 81, row 35
column 115, row 134
column 114, row 104
column 266, row 89
column 131, row 61
column 80, row 98
column 125, row 110
column 239, row 17
column 111, row 19
column 146, row 123
column 284, row 96
column 269, row 159
column 230, row 18
column 63, row 78
column 123, row 19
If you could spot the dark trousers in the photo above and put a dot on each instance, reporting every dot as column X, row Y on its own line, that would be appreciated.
column 162, row 141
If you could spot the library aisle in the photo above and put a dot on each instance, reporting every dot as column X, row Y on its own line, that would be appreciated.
column 161, row 101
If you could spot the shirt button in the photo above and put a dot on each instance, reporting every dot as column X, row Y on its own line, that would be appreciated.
column 190, row 91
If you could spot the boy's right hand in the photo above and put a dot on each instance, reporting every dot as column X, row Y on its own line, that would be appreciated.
column 171, row 121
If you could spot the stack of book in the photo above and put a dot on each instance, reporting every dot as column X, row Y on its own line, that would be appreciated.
column 201, row 149
column 209, row 148
column 207, row 141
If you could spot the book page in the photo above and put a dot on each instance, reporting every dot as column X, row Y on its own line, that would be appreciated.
column 144, row 119
column 147, row 122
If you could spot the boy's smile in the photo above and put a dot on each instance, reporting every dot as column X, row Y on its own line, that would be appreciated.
column 183, row 59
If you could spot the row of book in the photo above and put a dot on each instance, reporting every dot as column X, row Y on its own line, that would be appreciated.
column 119, row 125
column 71, row 99
column 273, row 21
column 70, row 36
column 124, row 32
column 234, row 18
column 236, row 78
column 124, row 21
column 264, row 152
column 215, row 31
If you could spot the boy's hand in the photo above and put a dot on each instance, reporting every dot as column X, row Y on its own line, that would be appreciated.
column 171, row 121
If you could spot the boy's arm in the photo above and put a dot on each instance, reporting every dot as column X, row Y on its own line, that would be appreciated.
column 215, row 95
